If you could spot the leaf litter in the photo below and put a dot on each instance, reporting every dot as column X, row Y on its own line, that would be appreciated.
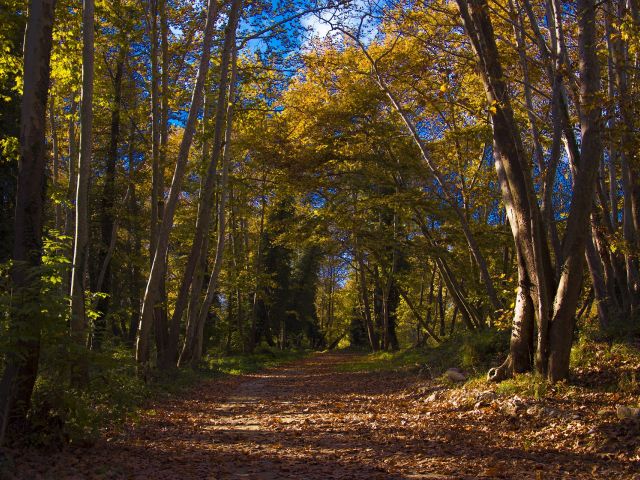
column 309, row 420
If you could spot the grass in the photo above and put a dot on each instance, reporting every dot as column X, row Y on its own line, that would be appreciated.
column 604, row 360
column 474, row 352
column 385, row 361
column 250, row 363
column 117, row 394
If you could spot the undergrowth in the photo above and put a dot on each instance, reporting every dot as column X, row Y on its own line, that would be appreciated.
column 472, row 351
column 116, row 394
column 602, row 359
column 264, row 357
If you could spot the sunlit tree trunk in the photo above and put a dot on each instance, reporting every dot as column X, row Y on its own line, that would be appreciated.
column 81, row 238
column 204, row 208
column 554, row 306
column 192, row 349
column 153, row 290
column 56, row 162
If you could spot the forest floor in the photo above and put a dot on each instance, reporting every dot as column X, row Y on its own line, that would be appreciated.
column 316, row 419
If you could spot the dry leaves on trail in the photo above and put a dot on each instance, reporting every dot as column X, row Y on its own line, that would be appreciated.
column 307, row 421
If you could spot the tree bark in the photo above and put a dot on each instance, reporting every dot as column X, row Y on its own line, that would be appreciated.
column 81, row 238
column 158, row 267
column 192, row 350
column 554, row 307
column 204, row 208
column 21, row 364
column 107, row 204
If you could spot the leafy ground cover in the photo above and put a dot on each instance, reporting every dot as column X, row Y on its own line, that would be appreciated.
column 118, row 394
column 326, row 417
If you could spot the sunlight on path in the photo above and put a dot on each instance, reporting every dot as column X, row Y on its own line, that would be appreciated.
column 309, row 421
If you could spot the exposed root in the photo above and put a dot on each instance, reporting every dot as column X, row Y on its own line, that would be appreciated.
column 503, row 372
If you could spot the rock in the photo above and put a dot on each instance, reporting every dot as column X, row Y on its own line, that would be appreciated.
column 510, row 409
column 513, row 407
column 433, row 397
column 627, row 413
column 534, row 411
column 485, row 398
column 455, row 375
column 603, row 412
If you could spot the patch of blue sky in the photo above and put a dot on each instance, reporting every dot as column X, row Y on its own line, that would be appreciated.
column 359, row 17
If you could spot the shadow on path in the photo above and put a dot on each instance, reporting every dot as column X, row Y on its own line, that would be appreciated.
column 309, row 421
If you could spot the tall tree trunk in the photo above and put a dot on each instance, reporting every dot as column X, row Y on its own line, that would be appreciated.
column 158, row 267
column 568, row 290
column 69, row 221
column 364, row 296
column 554, row 307
column 192, row 351
column 21, row 363
column 253, row 340
column 107, row 204
column 81, row 238
column 56, row 162
column 135, row 243
column 204, row 208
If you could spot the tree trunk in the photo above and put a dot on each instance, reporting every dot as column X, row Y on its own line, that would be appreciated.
column 555, row 324
column 107, row 204
column 81, row 238
column 192, row 351
column 135, row 243
column 568, row 290
column 204, row 208
column 364, row 295
column 56, row 162
column 21, row 364
column 158, row 267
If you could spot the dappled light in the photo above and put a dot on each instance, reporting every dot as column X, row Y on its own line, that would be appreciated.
column 349, row 239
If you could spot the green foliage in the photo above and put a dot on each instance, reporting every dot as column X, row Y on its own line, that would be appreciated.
column 264, row 357
column 472, row 351
column 525, row 385
column 62, row 414
column 482, row 349
column 116, row 392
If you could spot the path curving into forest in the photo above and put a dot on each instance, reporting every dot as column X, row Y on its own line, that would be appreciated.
column 309, row 420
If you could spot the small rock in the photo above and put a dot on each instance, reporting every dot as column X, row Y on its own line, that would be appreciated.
column 534, row 411
column 455, row 375
column 433, row 397
column 513, row 407
column 510, row 409
column 485, row 398
column 627, row 413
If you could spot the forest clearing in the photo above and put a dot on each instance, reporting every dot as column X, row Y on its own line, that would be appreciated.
column 320, row 239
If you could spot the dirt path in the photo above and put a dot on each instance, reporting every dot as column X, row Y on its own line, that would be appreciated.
column 308, row 421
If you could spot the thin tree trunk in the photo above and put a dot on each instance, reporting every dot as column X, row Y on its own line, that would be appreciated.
column 107, row 204
column 56, row 162
column 204, row 208
column 81, row 239
column 364, row 295
column 191, row 352
column 69, row 222
column 135, row 244
column 158, row 267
